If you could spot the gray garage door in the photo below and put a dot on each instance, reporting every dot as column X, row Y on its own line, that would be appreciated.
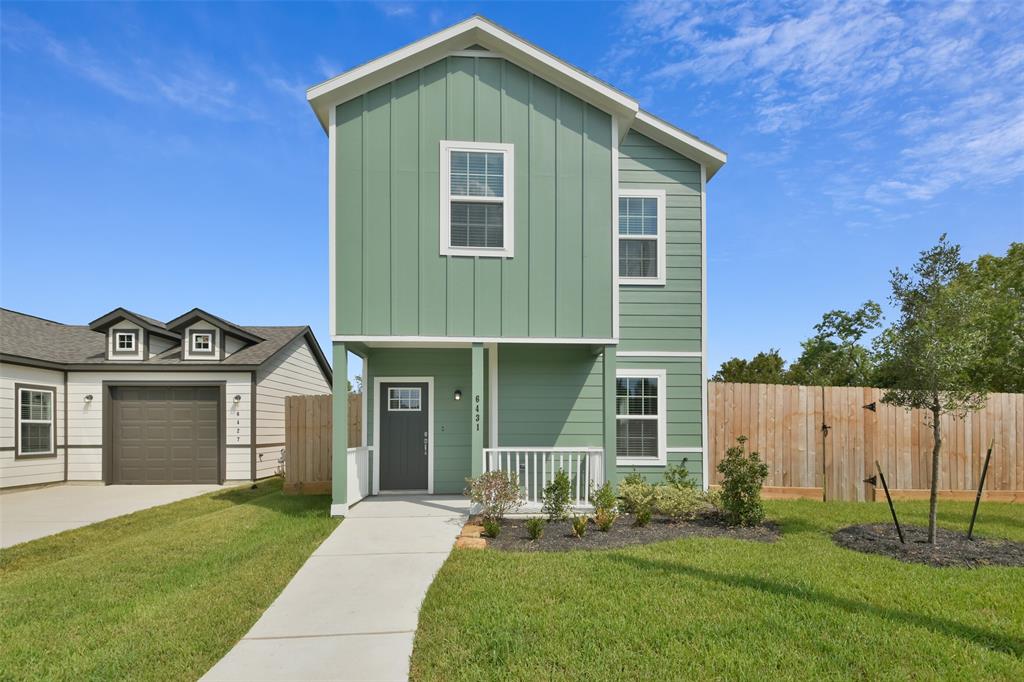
column 165, row 434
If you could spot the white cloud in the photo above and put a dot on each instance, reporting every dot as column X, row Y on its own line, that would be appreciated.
column 942, row 83
column 396, row 9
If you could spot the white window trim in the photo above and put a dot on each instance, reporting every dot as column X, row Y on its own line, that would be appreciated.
column 508, row 220
column 662, row 376
column 117, row 342
column 419, row 399
column 658, row 194
column 196, row 336
column 52, row 422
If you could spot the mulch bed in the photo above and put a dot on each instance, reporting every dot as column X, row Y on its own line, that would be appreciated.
column 558, row 536
column 952, row 548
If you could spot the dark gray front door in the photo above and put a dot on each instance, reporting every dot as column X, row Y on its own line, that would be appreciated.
column 404, row 433
column 165, row 434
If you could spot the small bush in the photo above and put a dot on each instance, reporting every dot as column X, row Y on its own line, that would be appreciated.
column 535, row 527
column 637, row 494
column 678, row 477
column 492, row 528
column 604, row 518
column 579, row 525
column 496, row 492
column 643, row 517
column 742, row 478
column 678, row 502
column 604, row 498
column 558, row 497
column 713, row 498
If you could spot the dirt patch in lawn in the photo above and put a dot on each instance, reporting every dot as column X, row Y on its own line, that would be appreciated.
column 952, row 547
column 558, row 535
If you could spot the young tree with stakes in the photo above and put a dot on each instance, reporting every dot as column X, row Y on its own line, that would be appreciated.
column 929, row 352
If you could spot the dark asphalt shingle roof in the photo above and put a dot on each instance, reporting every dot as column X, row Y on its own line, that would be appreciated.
column 32, row 337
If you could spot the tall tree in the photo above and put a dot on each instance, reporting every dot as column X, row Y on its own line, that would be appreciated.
column 834, row 356
column 763, row 368
column 928, row 354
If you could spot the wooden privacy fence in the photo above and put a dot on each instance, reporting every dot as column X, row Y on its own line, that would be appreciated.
column 308, row 426
column 785, row 425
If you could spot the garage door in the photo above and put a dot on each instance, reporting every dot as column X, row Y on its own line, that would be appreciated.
column 165, row 434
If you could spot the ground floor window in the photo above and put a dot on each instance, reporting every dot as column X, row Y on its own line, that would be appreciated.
column 35, row 420
column 640, row 417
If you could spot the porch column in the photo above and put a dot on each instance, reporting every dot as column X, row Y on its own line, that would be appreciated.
column 478, row 413
column 610, row 427
column 339, row 433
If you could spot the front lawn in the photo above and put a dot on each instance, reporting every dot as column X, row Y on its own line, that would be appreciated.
column 715, row 608
column 160, row 594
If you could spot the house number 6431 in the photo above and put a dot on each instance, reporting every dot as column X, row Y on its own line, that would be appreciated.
column 476, row 410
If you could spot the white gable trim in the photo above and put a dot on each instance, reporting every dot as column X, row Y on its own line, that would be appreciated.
column 680, row 141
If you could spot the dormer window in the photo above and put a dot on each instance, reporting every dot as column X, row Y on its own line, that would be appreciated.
column 202, row 342
column 125, row 342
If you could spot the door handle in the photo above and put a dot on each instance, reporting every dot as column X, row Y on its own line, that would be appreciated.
column 426, row 443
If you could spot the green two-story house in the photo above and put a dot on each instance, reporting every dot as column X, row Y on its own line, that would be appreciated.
column 518, row 255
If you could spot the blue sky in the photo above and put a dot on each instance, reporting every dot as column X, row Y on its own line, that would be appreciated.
column 162, row 156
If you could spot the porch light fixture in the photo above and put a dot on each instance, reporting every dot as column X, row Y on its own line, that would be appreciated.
column 458, row 394
column 88, row 398
column 238, row 398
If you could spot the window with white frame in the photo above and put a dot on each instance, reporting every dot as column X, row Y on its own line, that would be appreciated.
column 404, row 399
column 35, row 421
column 124, row 342
column 640, row 417
column 202, row 342
column 477, row 207
column 641, row 236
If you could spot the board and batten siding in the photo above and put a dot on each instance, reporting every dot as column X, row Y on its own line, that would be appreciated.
column 85, row 418
column 294, row 371
column 664, row 318
column 549, row 396
column 31, row 470
column 390, row 277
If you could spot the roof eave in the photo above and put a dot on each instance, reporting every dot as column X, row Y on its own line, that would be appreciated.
column 229, row 327
column 690, row 146
column 104, row 322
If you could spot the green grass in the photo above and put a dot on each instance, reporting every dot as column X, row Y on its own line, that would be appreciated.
column 802, row 608
column 160, row 594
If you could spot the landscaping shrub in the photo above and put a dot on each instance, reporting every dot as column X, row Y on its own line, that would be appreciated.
column 603, row 497
column 604, row 518
column 637, row 495
column 742, row 478
column 678, row 502
column 492, row 528
column 558, row 497
column 535, row 527
column 497, row 493
column 643, row 517
column 678, row 477
column 579, row 525
column 713, row 498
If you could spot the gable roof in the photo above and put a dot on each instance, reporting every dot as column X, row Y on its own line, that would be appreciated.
column 478, row 32
column 27, row 339
column 104, row 322
column 191, row 316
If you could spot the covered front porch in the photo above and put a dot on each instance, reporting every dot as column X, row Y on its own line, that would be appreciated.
column 436, row 415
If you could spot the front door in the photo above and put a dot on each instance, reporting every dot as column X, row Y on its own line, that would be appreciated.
column 404, row 436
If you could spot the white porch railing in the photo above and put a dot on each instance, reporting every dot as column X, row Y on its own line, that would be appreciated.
column 536, row 468
column 358, row 473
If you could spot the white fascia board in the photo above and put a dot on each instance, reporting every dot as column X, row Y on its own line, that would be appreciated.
column 473, row 31
column 709, row 156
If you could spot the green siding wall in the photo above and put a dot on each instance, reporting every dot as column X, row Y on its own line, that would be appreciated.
column 549, row 396
column 683, row 420
column 664, row 318
column 390, row 276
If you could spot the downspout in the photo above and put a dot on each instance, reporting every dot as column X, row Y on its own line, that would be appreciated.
column 66, row 450
column 252, row 428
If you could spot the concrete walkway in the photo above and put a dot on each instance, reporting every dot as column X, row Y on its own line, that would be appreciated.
column 350, row 613
column 29, row 514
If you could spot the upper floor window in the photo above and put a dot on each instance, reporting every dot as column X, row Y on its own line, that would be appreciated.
column 641, row 236
column 124, row 342
column 35, row 420
column 477, row 208
column 202, row 342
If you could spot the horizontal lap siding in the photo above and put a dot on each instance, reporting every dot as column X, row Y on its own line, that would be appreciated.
column 683, row 418
column 664, row 318
column 549, row 396
column 451, row 369
column 391, row 278
column 36, row 470
column 294, row 372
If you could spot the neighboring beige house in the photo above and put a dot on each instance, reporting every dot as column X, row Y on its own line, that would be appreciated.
column 130, row 399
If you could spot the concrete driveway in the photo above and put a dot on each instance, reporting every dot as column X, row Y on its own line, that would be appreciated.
column 29, row 514
column 351, row 611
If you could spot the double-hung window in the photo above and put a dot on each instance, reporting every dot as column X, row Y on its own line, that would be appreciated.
column 642, row 236
column 640, row 417
column 35, row 421
column 477, row 207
